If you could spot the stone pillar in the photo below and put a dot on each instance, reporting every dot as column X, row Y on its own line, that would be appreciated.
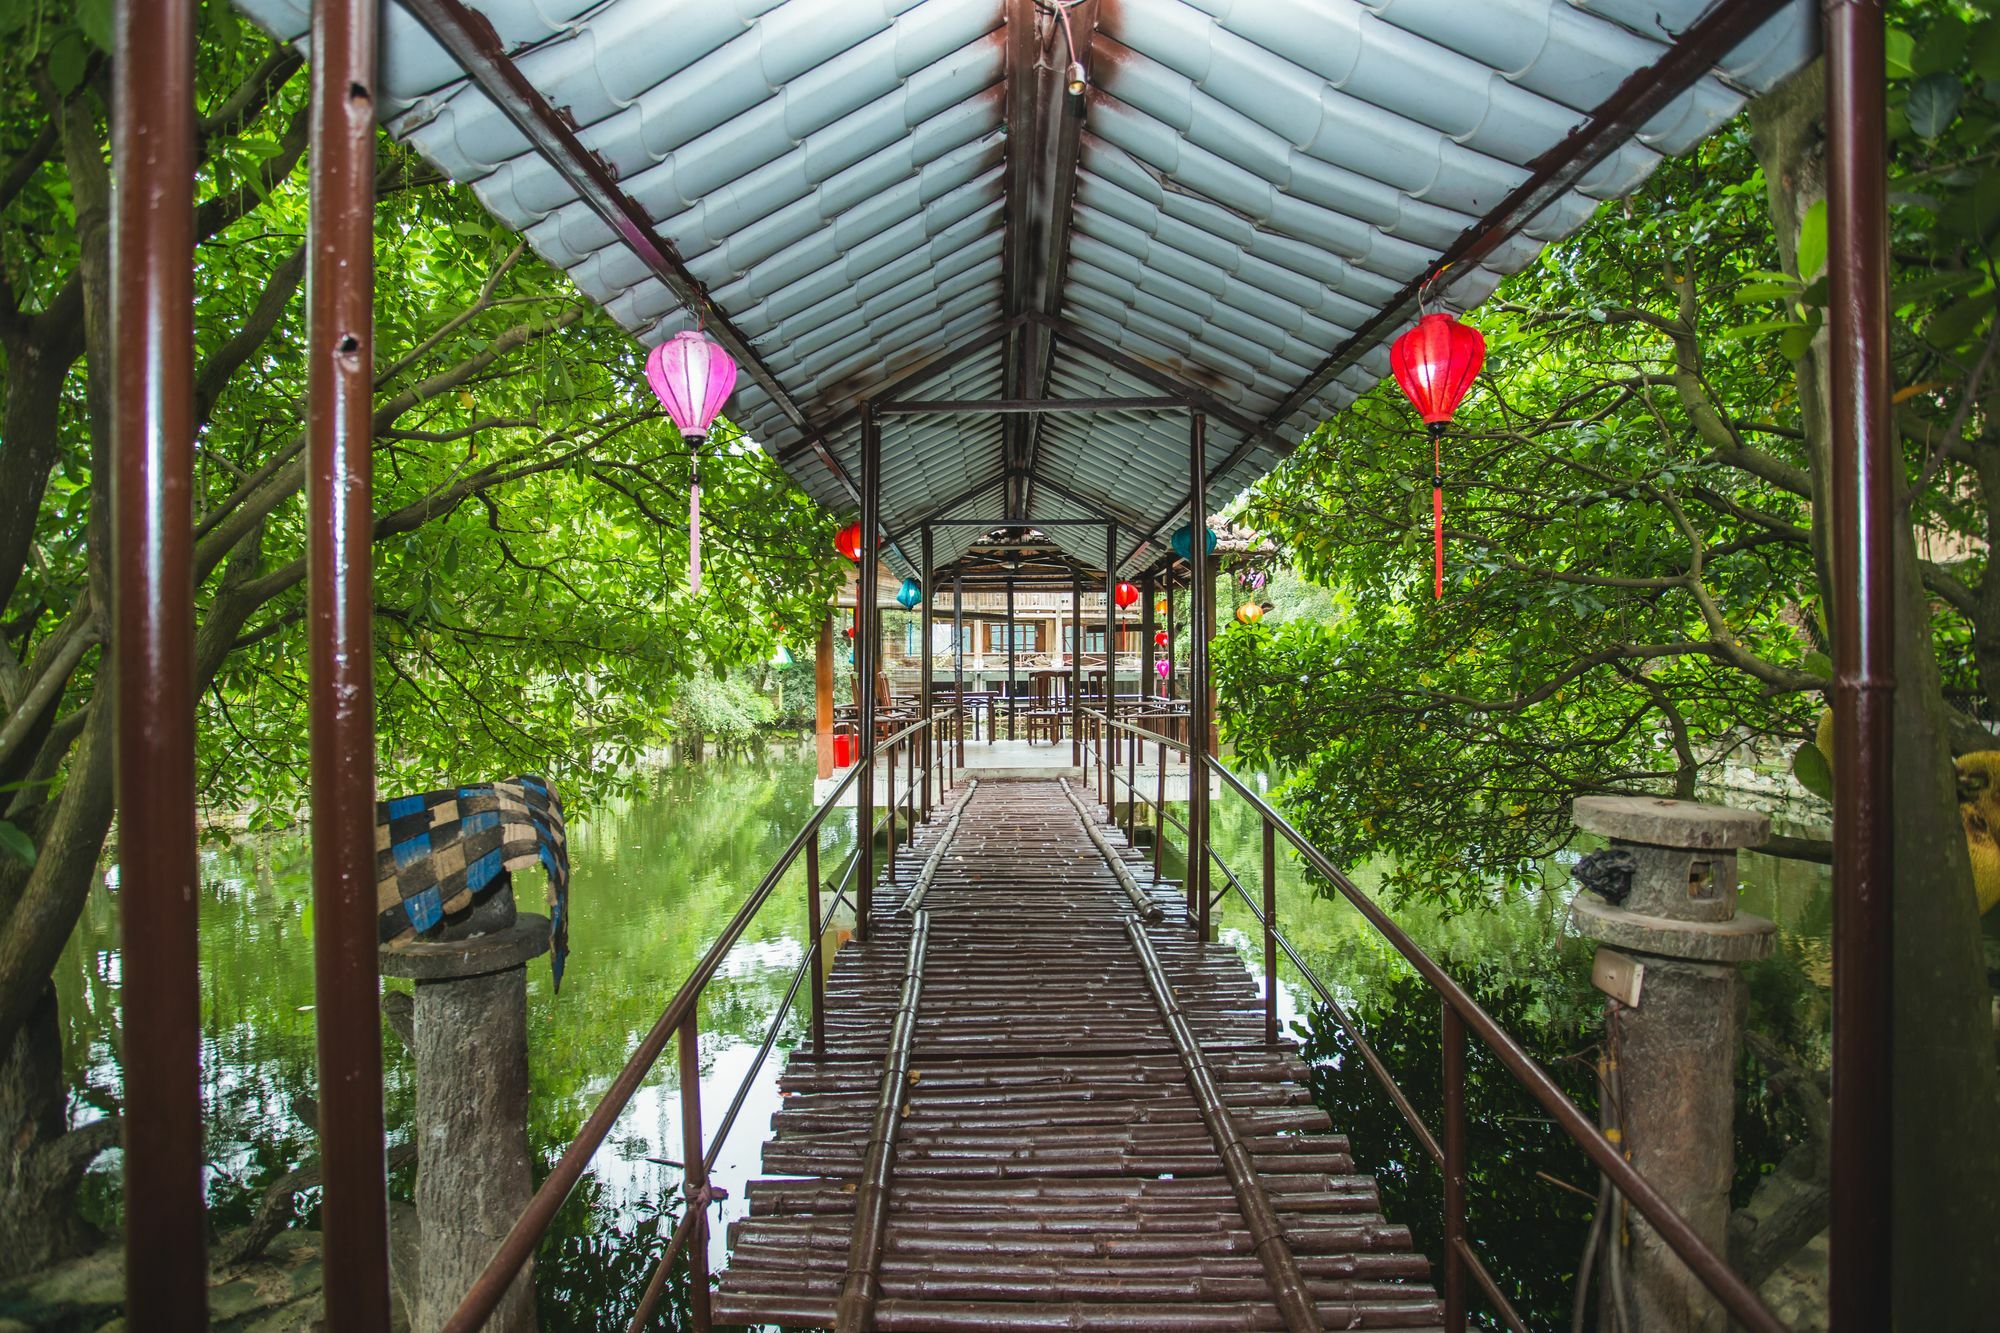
column 1661, row 899
column 474, row 1173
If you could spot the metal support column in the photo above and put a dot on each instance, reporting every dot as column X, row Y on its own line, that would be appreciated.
column 1076, row 670
column 1010, row 659
column 958, row 657
column 152, row 444
column 924, row 685
column 1148, row 651
column 340, row 283
column 1111, row 656
column 867, row 661
column 1865, row 472
column 1198, row 628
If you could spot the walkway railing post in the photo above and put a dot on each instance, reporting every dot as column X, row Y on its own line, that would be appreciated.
column 1454, row 1170
column 889, row 794
column 1198, row 695
column 1111, row 664
column 339, row 593
column 1865, row 475
column 694, row 1175
column 1076, row 669
column 866, row 664
column 924, row 673
column 152, row 407
column 1270, row 934
column 816, row 981
column 1160, row 810
column 958, row 659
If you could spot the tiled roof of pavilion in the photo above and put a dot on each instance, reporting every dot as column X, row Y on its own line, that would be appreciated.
column 900, row 196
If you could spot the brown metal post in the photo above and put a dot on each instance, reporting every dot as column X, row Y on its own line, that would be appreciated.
column 1170, row 641
column 1865, row 472
column 694, row 1174
column 152, row 313
column 889, row 798
column 1010, row 659
column 1076, row 669
column 1199, row 615
column 1270, row 934
column 816, row 978
column 339, row 598
column 1160, row 809
column 958, row 657
column 868, row 655
column 1148, row 654
column 924, row 678
column 1454, row 1170
column 823, row 698
column 1111, row 656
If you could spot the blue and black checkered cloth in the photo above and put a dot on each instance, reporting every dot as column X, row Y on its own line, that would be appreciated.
column 436, row 853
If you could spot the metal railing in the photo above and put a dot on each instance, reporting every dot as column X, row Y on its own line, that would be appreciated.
column 678, row 1021
column 1460, row 1013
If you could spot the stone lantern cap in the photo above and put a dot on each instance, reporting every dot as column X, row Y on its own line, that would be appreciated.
column 1661, row 822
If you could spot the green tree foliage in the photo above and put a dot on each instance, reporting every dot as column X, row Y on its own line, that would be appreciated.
column 530, row 498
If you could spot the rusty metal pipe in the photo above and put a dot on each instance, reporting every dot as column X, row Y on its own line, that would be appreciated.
column 1200, row 575
column 340, row 283
column 1865, row 472
column 151, row 491
column 1454, row 1169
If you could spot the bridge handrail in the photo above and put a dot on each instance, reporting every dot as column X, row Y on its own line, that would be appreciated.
column 1742, row 1303
column 526, row 1234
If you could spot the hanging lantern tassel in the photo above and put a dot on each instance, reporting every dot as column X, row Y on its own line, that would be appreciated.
column 694, row 526
column 1437, row 509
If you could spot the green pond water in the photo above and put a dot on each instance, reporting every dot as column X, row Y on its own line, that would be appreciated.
column 656, row 878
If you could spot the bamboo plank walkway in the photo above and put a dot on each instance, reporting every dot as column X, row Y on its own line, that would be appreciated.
column 1021, row 1124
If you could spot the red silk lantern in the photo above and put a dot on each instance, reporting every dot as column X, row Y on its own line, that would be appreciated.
column 1159, row 638
column 1435, row 363
column 848, row 541
column 1124, row 594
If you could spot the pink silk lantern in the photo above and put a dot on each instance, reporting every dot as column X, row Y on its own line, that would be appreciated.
column 1163, row 668
column 692, row 377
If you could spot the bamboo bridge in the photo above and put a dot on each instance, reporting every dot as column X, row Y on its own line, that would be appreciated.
column 1043, row 1102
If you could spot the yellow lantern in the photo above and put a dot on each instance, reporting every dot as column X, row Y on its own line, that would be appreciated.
column 1249, row 613
column 1160, row 607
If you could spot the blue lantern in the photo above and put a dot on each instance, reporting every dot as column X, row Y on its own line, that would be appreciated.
column 1183, row 542
column 910, row 594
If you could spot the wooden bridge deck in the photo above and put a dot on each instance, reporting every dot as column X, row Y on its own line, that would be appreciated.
column 1051, row 1163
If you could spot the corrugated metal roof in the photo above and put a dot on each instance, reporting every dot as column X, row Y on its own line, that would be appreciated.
column 1254, row 182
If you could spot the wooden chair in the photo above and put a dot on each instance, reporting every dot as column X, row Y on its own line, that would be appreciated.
column 890, row 717
column 1048, row 707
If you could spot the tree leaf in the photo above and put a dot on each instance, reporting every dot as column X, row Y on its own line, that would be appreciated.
column 1933, row 105
column 1797, row 341
column 68, row 57
column 1900, row 47
column 16, row 843
column 1941, row 47
column 94, row 17
column 1812, row 240
column 1985, row 48
column 1819, row 664
column 1809, row 766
